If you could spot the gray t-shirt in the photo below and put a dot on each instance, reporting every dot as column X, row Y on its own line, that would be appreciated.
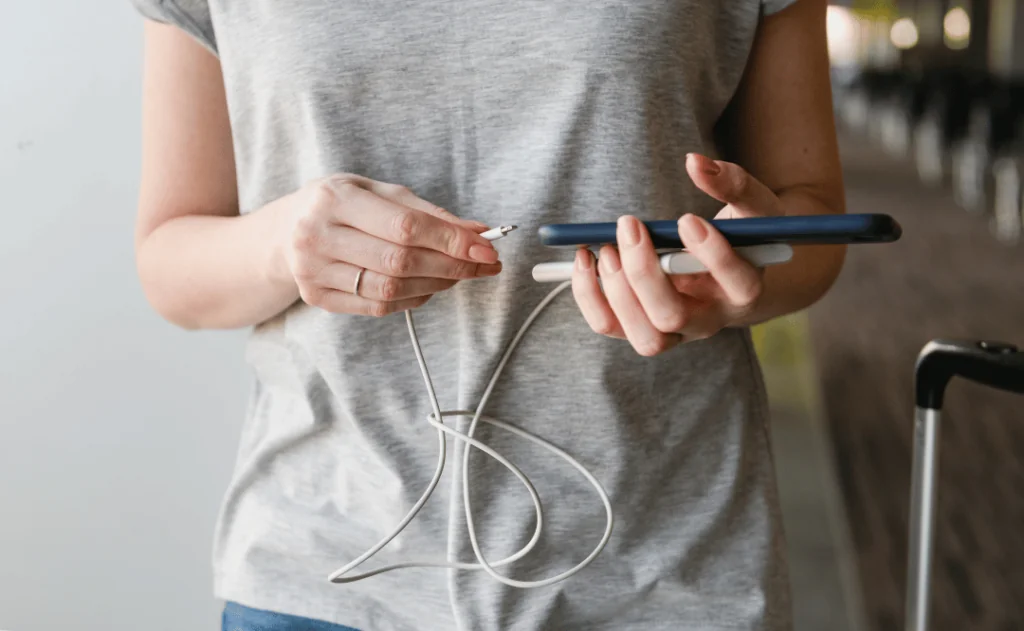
column 504, row 111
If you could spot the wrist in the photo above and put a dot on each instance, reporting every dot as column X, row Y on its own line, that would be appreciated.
column 277, row 227
column 795, row 286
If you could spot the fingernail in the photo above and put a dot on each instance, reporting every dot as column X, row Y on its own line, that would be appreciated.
column 706, row 164
column 477, row 225
column 483, row 254
column 608, row 262
column 692, row 229
column 629, row 231
column 584, row 260
column 489, row 270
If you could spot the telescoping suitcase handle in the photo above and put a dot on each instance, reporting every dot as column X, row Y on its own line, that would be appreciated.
column 993, row 364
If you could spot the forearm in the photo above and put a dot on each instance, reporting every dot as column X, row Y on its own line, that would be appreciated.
column 804, row 280
column 211, row 272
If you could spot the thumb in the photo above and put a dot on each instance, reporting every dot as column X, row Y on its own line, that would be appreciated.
column 730, row 184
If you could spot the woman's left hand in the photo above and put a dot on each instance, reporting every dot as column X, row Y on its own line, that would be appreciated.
column 655, row 311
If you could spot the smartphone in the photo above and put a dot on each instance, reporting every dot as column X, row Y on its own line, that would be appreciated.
column 793, row 230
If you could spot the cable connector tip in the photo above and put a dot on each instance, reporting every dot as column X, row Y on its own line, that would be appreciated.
column 496, row 233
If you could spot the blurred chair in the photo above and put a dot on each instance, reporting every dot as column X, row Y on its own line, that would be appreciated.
column 861, row 96
column 1008, row 202
column 900, row 113
column 883, row 93
column 852, row 108
column 944, row 122
column 992, row 129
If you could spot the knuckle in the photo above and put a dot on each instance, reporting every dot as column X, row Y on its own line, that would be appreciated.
column 379, row 309
column 452, row 241
column 440, row 212
column 649, row 347
column 336, row 192
column 643, row 272
column 463, row 269
column 739, row 183
column 670, row 322
column 306, row 234
column 750, row 293
column 323, row 197
column 404, row 228
column 603, row 326
column 312, row 296
column 341, row 184
column 397, row 261
column 390, row 287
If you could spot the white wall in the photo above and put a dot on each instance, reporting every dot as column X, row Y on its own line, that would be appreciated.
column 117, row 431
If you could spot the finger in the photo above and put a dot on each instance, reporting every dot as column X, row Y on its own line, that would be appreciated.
column 700, row 286
column 702, row 294
column 406, row 197
column 644, row 336
column 705, row 319
column 355, row 206
column 376, row 286
column 337, row 301
column 661, row 302
column 591, row 300
column 740, row 281
column 352, row 246
column 730, row 184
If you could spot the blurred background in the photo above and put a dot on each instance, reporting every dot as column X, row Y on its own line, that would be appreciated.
column 117, row 431
column 929, row 97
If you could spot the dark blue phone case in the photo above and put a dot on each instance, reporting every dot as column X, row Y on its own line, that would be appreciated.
column 794, row 230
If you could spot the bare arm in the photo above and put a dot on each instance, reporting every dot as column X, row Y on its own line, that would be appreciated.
column 203, row 265
column 785, row 136
column 783, row 133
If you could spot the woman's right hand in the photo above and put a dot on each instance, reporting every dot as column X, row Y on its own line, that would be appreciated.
column 409, row 248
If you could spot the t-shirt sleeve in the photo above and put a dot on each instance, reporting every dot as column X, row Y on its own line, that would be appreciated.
column 191, row 16
column 774, row 6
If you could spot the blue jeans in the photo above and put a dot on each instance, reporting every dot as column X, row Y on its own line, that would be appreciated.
column 239, row 618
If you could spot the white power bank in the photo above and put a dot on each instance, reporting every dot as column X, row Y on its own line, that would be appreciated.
column 677, row 262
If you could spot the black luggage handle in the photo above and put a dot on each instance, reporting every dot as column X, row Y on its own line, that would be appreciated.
column 993, row 364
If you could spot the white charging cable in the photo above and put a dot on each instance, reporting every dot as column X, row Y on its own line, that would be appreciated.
column 436, row 419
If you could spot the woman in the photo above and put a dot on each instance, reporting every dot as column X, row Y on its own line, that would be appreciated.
column 297, row 158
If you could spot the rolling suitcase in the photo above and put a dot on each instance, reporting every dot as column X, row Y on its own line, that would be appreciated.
column 990, row 363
